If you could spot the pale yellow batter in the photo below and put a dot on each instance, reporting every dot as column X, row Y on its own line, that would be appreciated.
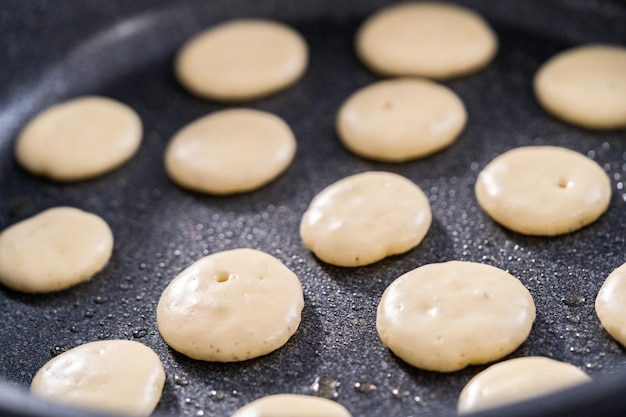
column 53, row 250
column 402, row 119
column 426, row 39
column 292, row 405
column 231, row 306
column 516, row 380
column 585, row 86
column 543, row 190
column 364, row 218
column 242, row 59
column 611, row 304
column 446, row 316
column 116, row 376
column 230, row 151
column 79, row 139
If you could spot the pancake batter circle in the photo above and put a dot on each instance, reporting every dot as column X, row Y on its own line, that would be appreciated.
column 292, row 405
column 54, row 250
column 401, row 119
column 364, row 218
column 116, row 376
column 231, row 306
column 516, row 380
column 446, row 316
column 230, row 151
column 543, row 190
column 611, row 304
column 242, row 59
column 585, row 86
column 79, row 139
column 426, row 39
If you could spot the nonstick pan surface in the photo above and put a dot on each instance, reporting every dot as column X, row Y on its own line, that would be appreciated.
column 51, row 51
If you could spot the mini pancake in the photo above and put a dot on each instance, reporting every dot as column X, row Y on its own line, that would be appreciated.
column 242, row 59
column 116, row 376
column 364, row 218
column 585, row 86
column 516, row 380
column 231, row 306
column 443, row 317
column 230, row 151
column 426, row 39
column 292, row 405
column 399, row 120
column 611, row 304
column 79, row 139
column 543, row 190
column 54, row 250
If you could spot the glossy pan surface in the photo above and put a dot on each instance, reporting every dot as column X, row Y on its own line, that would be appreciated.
column 52, row 51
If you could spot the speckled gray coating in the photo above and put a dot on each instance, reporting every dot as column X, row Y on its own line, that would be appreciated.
column 56, row 50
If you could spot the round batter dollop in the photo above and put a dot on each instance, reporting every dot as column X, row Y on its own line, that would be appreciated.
column 79, row 139
column 516, row 380
column 611, row 304
column 53, row 250
column 231, row 306
column 230, row 151
column 242, row 59
column 585, row 86
column 292, row 405
column 402, row 119
column 543, row 190
column 446, row 316
column 426, row 39
column 116, row 376
column 364, row 218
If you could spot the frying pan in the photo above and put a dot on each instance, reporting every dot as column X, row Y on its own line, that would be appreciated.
column 51, row 51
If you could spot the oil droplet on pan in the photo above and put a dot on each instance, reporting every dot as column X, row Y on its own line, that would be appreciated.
column 364, row 386
column 57, row 350
column 181, row 380
column 574, row 299
column 217, row 395
column 326, row 386
column 139, row 333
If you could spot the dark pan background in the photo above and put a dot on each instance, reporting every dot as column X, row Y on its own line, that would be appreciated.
column 54, row 50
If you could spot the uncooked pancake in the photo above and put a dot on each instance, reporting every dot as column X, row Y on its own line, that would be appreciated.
column 399, row 120
column 230, row 151
column 611, row 304
column 516, row 380
column 231, row 306
column 242, row 59
column 116, row 376
column 292, row 405
column 53, row 250
column 79, row 139
column 364, row 218
column 585, row 86
column 543, row 190
column 446, row 316
column 426, row 39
